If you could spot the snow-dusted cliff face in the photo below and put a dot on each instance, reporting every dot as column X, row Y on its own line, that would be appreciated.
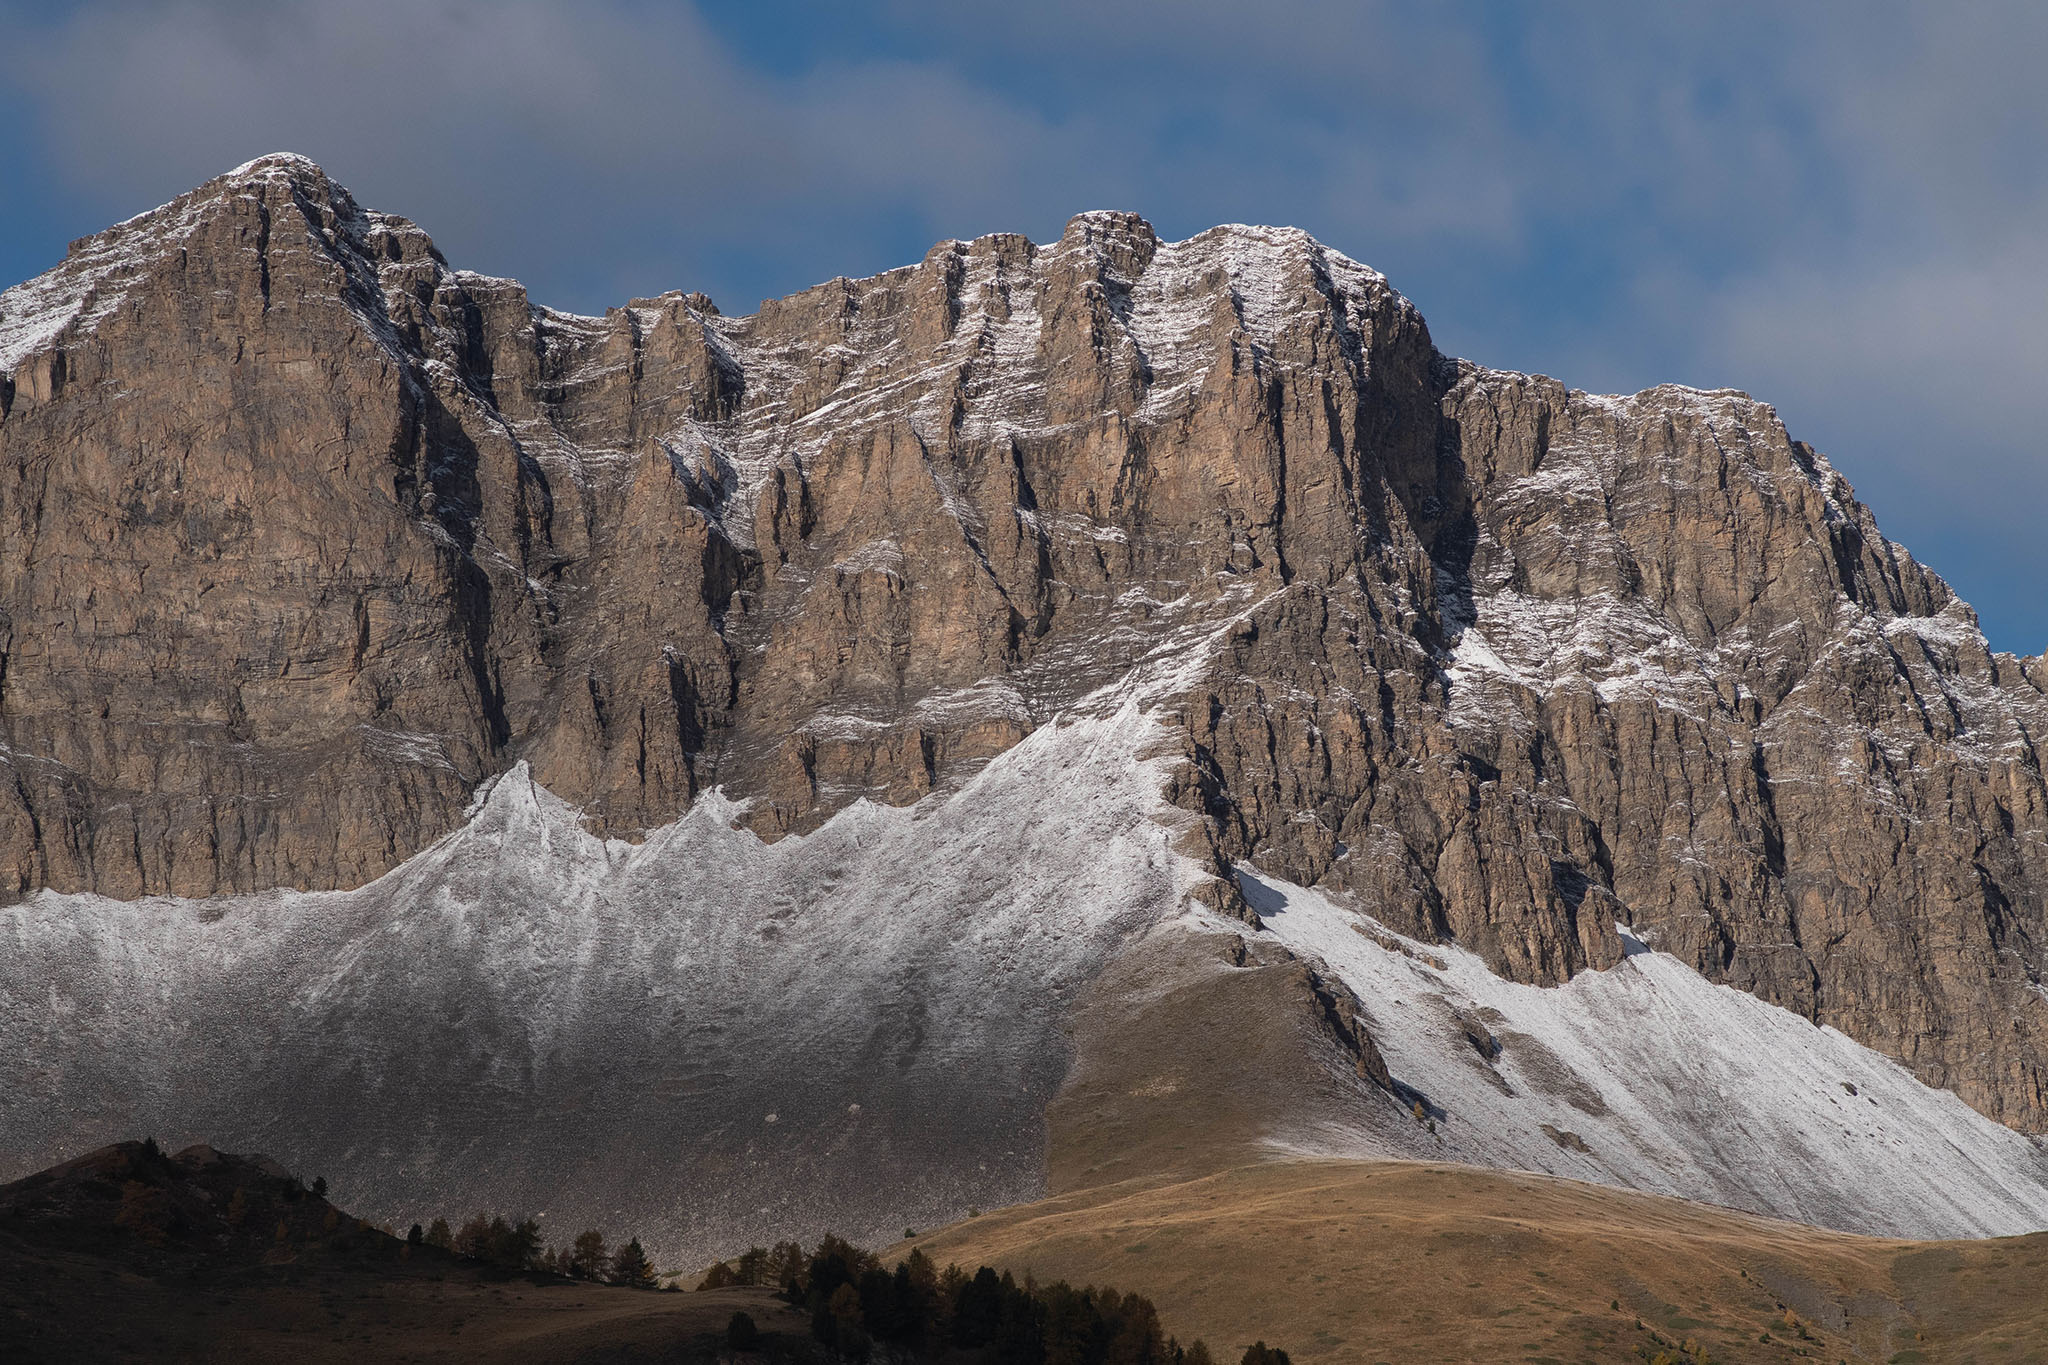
column 309, row 537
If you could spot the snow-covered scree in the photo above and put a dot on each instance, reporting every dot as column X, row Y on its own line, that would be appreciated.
column 1648, row 1076
column 703, row 1040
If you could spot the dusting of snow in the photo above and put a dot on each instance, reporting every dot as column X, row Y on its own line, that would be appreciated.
column 883, row 555
column 527, row 990
column 1952, row 629
column 853, row 373
column 1655, row 1079
column 406, row 747
column 1582, row 624
column 90, row 286
column 279, row 162
column 892, row 988
column 1618, row 647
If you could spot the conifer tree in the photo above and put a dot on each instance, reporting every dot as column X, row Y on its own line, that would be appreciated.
column 785, row 1265
column 1019, row 1338
column 1136, row 1338
column 881, row 1304
column 589, row 1258
column 632, row 1268
column 976, row 1310
column 845, row 1326
column 520, row 1246
column 473, row 1238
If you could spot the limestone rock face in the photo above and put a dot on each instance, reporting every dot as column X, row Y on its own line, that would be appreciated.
column 307, row 534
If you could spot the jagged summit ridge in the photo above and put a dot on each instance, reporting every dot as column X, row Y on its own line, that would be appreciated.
column 1271, row 276
column 1252, row 260
column 310, row 535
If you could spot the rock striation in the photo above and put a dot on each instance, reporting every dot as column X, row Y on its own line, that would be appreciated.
column 308, row 534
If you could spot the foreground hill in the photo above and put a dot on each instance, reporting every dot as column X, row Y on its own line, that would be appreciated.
column 127, row 1254
column 739, row 775
column 1377, row 1261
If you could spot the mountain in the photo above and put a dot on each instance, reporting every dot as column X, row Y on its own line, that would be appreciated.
column 1041, row 715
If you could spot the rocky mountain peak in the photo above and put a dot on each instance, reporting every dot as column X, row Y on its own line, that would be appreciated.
column 110, row 272
column 1124, row 240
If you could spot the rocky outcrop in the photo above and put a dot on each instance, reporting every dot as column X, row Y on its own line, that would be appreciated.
column 308, row 533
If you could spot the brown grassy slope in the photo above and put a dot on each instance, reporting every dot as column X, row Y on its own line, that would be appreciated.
column 1410, row 1262
column 1191, row 1049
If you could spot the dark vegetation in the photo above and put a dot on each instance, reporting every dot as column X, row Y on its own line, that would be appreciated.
column 128, row 1253
column 513, row 1243
column 151, row 1210
column 133, row 1198
column 131, row 1253
column 858, row 1309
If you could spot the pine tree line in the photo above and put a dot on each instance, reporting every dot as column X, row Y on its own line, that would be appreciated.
column 514, row 1243
column 858, row 1309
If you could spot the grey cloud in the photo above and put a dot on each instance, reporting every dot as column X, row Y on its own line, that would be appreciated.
column 518, row 130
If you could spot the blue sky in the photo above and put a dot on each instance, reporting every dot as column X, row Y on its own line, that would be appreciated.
column 1841, row 207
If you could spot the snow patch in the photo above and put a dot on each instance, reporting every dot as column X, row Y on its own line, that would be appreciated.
column 1659, row 1080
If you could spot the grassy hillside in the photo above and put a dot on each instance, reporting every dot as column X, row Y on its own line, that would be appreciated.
column 1402, row 1262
